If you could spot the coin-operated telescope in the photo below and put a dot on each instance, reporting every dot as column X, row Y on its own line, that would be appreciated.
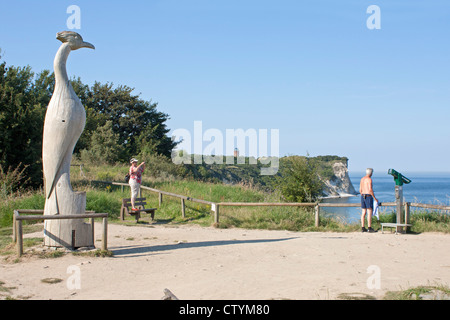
column 399, row 178
column 399, row 181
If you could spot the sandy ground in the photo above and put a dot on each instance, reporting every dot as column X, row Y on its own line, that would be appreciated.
column 198, row 263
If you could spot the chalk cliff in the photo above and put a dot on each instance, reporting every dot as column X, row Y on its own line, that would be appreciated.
column 339, row 185
column 332, row 170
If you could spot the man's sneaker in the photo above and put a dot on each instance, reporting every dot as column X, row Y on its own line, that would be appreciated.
column 371, row 230
column 363, row 229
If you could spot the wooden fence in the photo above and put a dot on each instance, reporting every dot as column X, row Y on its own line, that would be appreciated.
column 215, row 206
column 36, row 215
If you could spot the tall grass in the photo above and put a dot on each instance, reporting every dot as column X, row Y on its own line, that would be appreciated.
column 100, row 172
column 278, row 218
column 424, row 221
column 30, row 200
column 105, row 201
column 212, row 191
column 12, row 180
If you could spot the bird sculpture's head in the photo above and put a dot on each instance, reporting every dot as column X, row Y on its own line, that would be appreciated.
column 74, row 40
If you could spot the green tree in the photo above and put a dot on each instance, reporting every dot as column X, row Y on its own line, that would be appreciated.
column 147, row 144
column 133, row 119
column 103, row 146
column 22, row 109
column 299, row 180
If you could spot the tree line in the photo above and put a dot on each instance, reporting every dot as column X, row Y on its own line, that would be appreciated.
column 119, row 124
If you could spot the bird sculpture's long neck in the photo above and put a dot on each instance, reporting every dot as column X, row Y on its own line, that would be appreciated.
column 60, row 64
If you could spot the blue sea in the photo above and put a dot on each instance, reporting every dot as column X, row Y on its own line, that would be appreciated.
column 430, row 188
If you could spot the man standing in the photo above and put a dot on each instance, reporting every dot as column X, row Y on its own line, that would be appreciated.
column 367, row 198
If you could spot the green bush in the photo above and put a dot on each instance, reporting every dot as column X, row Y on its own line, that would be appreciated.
column 103, row 146
column 299, row 181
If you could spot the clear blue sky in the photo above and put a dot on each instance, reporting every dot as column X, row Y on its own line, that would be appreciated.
column 311, row 69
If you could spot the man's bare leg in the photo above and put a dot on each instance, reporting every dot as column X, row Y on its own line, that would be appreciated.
column 363, row 217
column 369, row 217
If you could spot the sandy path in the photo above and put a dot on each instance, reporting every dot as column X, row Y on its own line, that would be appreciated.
column 207, row 263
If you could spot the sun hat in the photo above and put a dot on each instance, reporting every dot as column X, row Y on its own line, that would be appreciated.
column 133, row 160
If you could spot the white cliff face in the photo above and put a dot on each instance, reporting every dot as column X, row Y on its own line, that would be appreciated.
column 340, row 185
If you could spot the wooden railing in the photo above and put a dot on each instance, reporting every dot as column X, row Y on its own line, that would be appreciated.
column 37, row 215
column 215, row 206
column 160, row 193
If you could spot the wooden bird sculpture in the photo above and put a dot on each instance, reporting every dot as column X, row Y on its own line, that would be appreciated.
column 64, row 122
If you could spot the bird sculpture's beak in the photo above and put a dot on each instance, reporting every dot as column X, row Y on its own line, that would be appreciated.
column 88, row 45
column 60, row 37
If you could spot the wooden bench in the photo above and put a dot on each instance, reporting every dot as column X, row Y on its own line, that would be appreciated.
column 140, row 204
column 394, row 225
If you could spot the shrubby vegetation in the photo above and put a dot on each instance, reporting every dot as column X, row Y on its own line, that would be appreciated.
column 299, row 180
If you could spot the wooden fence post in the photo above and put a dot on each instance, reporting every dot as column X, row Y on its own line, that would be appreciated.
column 19, row 235
column 14, row 228
column 105, row 234
column 317, row 218
column 216, row 214
column 160, row 199
column 73, row 240
column 183, row 208
column 407, row 215
column 92, row 226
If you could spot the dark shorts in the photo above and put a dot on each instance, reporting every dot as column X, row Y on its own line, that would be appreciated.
column 366, row 201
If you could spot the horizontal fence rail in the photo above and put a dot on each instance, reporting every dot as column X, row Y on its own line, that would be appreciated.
column 296, row 204
column 267, row 204
column 429, row 206
column 170, row 194
column 314, row 205
column 215, row 206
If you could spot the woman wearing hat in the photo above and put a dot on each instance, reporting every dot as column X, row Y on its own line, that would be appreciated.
column 135, row 180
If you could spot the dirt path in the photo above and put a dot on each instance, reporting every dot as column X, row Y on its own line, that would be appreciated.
column 206, row 263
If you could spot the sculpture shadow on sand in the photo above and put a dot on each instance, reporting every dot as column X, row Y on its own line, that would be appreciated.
column 141, row 250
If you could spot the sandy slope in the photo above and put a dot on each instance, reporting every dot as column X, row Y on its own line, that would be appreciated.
column 207, row 263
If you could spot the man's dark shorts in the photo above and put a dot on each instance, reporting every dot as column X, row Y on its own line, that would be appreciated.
column 366, row 201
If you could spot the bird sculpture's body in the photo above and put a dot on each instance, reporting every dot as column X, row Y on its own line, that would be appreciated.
column 64, row 122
